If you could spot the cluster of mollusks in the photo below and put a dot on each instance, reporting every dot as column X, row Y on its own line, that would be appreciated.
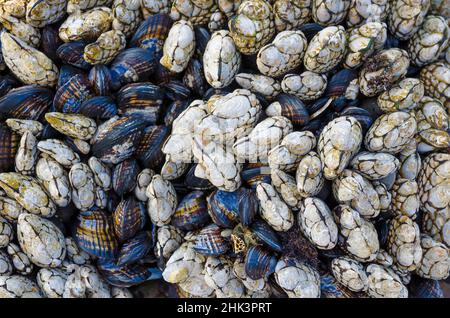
column 255, row 148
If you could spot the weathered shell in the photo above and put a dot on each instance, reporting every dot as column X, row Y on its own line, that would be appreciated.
column 16, row 286
column 52, row 282
column 291, row 14
column 94, row 234
column 28, row 64
column 219, row 275
column 179, row 46
column 436, row 80
column 221, row 60
column 162, row 200
column 309, row 175
column 6, row 267
column 127, row 16
column 27, row 154
column 317, row 224
column 440, row 7
column 326, row 49
column 143, row 179
column 192, row 212
column 362, row 11
column 298, row 280
column 21, row 126
column 106, row 48
column 6, row 232
column 273, row 210
column 267, row 134
column 169, row 238
column 284, row 54
column 429, row 41
column 404, row 243
column 405, row 197
column 88, row 25
column 120, row 292
column 339, row 141
column 360, row 238
column 406, row 16
column 83, row 186
column 382, row 70
column 72, row 125
column 306, row 86
column 329, row 12
column 253, row 26
column 255, row 285
column 391, row 132
column 374, row 165
column 197, row 12
column 83, row 5
column 129, row 217
column 286, row 187
column 350, row 273
column 433, row 183
column 117, row 139
column 20, row 29
column 384, row 283
column 363, row 41
column 41, row 240
column 20, row 261
column 74, row 254
column 28, row 192
column 259, row 84
column 153, row 7
column 55, row 180
column 405, row 95
column 217, row 21
column 435, row 263
column 10, row 209
column 59, row 151
column 41, row 13
column 173, row 170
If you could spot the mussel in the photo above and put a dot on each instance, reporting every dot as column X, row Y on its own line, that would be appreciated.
column 152, row 32
column 191, row 212
column 259, row 263
column 72, row 94
column 212, row 240
column 135, row 248
column 100, row 107
column 100, row 79
column 129, row 217
column 124, row 176
column 149, row 151
column 127, row 275
column 223, row 207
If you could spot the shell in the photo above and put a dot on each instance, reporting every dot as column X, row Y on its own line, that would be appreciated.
column 83, row 186
column 20, row 261
column 287, row 188
column 16, row 286
column 74, row 254
column 259, row 263
column 435, row 263
column 72, row 125
column 10, row 209
column 326, row 49
column 128, row 275
column 290, row 107
column 259, row 84
column 105, row 48
column 298, row 280
column 219, row 275
column 223, row 207
column 405, row 197
column 179, row 46
column 135, row 249
column 28, row 64
column 43, row 12
column 359, row 237
column 309, row 175
column 436, row 80
column 153, row 31
column 350, row 273
column 306, row 86
column 26, row 156
column 221, row 60
column 51, row 281
column 291, row 14
column 374, row 165
column 70, row 96
column 362, row 11
column 41, row 240
column 317, row 224
column 252, row 26
column 59, row 151
column 384, row 283
column 124, row 176
column 128, row 218
column 192, row 212
column 405, row 95
column 88, row 25
column 72, row 53
column 405, row 17
column 127, row 16
column 6, row 267
column 19, row 28
column 149, row 151
column 94, row 234
column 162, row 200
column 6, row 232
column 194, row 78
column 169, row 238
column 211, row 241
column 284, row 54
column 100, row 79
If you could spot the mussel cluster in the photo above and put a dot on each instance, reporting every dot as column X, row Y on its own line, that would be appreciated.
column 255, row 148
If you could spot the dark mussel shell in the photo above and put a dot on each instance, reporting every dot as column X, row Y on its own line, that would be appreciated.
column 360, row 114
column 195, row 183
column 425, row 288
column 259, row 263
column 202, row 37
column 266, row 235
column 191, row 213
column 124, row 176
column 135, row 248
column 117, row 139
column 129, row 217
column 211, row 241
column 293, row 108
column 100, row 107
column 255, row 173
column 194, row 78
column 127, row 275
column 72, row 53
column 50, row 41
column 391, row 42
column 248, row 206
column 94, row 234
column 142, row 99
column 50, row 133
column 318, row 108
column 132, row 65
column 26, row 102
column 310, row 30
column 9, row 142
column 100, row 79
column 315, row 126
column 339, row 82
column 330, row 288
column 113, row 202
column 162, row 75
column 176, row 90
column 152, row 32
column 149, row 151
column 223, row 207
column 72, row 94
column 7, row 82
column 66, row 73
column 174, row 110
